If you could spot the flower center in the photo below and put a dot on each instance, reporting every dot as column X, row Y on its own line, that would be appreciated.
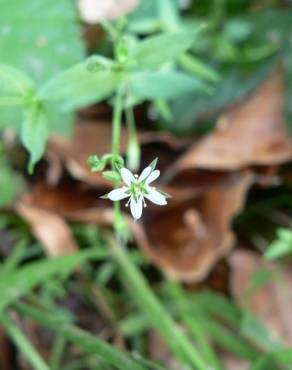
column 137, row 189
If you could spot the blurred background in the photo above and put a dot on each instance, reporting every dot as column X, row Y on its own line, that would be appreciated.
column 215, row 263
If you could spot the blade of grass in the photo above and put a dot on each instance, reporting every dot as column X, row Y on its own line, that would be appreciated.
column 16, row 255
column 146, row 300
column 198, row 331
column 134, row 324
column 203, row 306
column 240, row 320
column 264, row 363
column 225, row 338
column 217, row 305
column 275, row 360
column 57, row 352
column 22, row 342
column 88, row 342
column 16, row 283
column 87, row 363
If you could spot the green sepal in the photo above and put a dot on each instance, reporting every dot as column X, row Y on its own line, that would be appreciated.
column 113, row 176
column 95, row 163
column 164, row 193
column 153, row 164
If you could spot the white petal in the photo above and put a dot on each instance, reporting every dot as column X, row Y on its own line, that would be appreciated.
column 153, row 176
column 145, row 173
column 155, row 197
column 136, row 208
column 127, row 176
column 118, row 194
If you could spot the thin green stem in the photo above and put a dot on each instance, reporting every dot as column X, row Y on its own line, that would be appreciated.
column 57, row 352
column 23, row 343
column 133, row 151
column 131, row 124
column 217, row 12
column 117, row 122
column 121, row 228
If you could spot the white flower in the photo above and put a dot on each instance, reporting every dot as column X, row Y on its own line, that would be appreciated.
column 137, row 189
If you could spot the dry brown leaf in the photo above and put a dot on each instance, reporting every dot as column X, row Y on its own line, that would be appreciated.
column 94, row 11
column 49, row 228
column 89, row 138
column 272, row 303
column 252, row 132
column 66, row 197
column 187, row 238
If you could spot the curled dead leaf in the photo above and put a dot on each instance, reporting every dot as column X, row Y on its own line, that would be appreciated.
column 49, row 228
column 94, row 11
column 252, row 132
column 271, row 302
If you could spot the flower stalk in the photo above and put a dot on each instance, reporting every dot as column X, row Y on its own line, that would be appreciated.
column 120, row 224
column 117, row 121
column 133, row 150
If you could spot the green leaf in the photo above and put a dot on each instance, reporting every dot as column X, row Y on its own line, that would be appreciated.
column 280, row 247
column 10, row 183
column 163, row 84
column 60, row 122
column 15, row 88
column 80, row 86
column 234, row 84
column 34, row 132
column 155, row 51
column 40, row 37
column 145, row 18
column 14, row 284
column 14, row 82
